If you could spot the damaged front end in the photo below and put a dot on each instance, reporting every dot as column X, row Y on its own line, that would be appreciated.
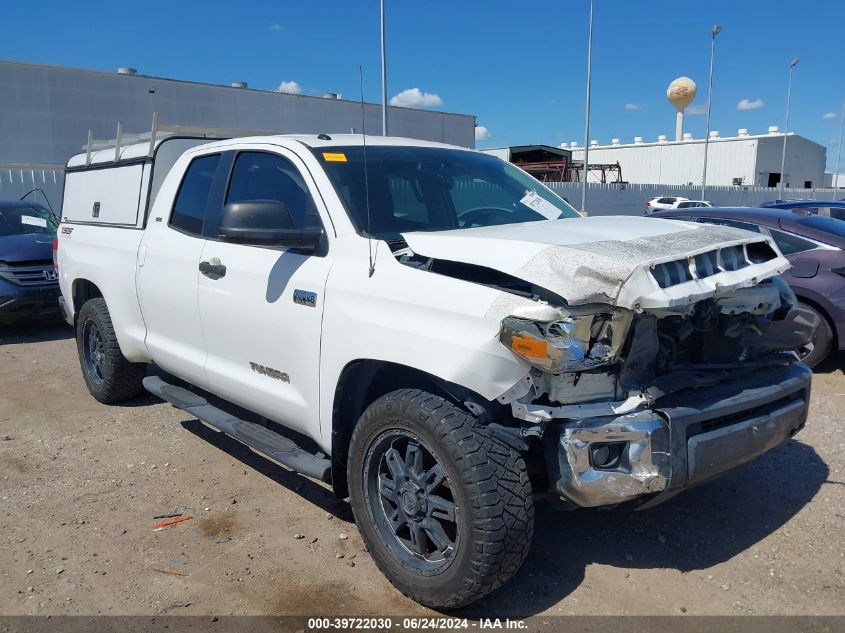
column 617, row 396
column 660, row 355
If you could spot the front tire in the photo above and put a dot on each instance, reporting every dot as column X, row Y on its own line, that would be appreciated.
column 445, row 509
column 108, row 375
column 822, row 341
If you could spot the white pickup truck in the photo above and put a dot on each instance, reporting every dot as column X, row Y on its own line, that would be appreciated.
column 444, row 334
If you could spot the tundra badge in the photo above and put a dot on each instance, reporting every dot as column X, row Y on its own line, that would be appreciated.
column 269, row 372
column 305, row 298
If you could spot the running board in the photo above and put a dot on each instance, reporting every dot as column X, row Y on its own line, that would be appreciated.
column 258, row 438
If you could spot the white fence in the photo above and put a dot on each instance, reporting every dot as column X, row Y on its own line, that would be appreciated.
column 630, row 199
column 16, row 180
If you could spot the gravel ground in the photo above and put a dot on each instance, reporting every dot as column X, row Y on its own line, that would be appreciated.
column 80, row 483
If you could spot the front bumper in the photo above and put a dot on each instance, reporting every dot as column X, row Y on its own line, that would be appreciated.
column 686, row 439
column 29, row 303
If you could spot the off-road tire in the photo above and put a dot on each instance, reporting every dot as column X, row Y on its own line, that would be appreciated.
column 120, row 379
column 822, row 339
column 492, row 494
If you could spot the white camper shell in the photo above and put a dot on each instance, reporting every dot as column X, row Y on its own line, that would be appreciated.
column 115, row 182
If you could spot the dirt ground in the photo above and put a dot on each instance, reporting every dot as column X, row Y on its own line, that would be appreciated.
column 80, row 483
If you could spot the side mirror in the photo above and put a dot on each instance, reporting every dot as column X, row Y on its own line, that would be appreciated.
column 265, row 223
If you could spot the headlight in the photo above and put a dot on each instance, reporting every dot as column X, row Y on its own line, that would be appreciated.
column 571, row 343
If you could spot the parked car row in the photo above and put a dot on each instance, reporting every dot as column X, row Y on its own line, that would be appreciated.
column 674, row 202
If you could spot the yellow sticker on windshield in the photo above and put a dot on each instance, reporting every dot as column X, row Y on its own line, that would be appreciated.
column 334, row 157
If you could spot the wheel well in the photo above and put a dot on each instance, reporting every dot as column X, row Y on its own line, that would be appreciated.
column 362, row 382
column 818, row 308
column 83, row 290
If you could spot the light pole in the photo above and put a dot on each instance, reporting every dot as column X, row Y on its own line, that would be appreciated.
column 713, row 33
column 839, row 151
column 383, row 76
column 587, row 122
column 792, row 65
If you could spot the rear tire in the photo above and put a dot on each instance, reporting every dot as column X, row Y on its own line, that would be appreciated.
column 108, row 375
column 822, row 340
column 445, row 509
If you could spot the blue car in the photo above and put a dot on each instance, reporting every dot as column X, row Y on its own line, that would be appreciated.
column 29, row 286
column 834, row 208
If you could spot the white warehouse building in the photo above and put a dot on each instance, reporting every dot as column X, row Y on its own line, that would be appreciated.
column 745, row 159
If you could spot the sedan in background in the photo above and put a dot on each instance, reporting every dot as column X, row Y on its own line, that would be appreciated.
column 692, row 204
column 814, row 246
column 662, row 202
column 29, row 286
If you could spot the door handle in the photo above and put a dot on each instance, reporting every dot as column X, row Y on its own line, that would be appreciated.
column 213, row 269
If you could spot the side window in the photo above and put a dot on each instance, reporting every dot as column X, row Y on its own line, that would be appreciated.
column 790, row 244
column 192, row 199
column 262, row 176
column 734, row 223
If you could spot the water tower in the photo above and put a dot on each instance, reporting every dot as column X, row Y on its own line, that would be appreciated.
column 680, row 93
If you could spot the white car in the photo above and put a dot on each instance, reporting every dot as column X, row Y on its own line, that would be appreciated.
column 691, row 204
column 663, row 202
column 429, row 320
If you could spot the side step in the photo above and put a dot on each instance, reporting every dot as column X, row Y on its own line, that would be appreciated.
column 258, row 438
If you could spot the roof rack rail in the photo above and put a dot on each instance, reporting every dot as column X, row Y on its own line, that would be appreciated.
column 157, row 134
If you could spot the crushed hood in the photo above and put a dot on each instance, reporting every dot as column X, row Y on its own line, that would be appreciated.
column 611, row 259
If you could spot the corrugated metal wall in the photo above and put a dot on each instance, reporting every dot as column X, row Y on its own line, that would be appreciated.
column 805, row 160
column 46, row 112
column 750, row 159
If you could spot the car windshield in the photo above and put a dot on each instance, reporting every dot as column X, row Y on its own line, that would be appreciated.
column 25, row 220
column 434, row 189
column 826, row 224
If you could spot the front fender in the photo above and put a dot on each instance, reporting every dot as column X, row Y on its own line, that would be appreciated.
column 414, row 318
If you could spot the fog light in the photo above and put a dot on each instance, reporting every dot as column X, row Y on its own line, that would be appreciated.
column 606, row 456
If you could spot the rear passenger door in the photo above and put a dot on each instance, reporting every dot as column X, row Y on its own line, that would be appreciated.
column 263, row 343
column 167, row 273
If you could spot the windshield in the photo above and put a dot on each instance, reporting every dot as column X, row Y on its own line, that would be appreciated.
column 26, row 220
column 434, row 189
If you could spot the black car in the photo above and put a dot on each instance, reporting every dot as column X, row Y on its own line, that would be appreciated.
column 813, row 244
column 29, row 286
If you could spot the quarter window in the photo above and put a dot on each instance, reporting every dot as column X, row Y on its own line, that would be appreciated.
column 191, row 201
column 262, row 176
column 790, row 244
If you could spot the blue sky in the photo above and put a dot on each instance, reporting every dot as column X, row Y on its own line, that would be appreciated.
column 518, row 65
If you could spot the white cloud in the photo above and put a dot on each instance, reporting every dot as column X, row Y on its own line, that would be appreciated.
column 290, row 87
column 482, row 133
column 275, row 26
column 696, row 109
column 745, row 104
column 634, row 106
column 827, row 116
column 415, row 98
